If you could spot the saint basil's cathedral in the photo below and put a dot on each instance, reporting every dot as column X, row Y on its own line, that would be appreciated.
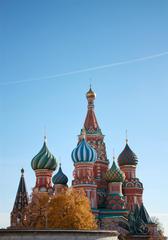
column 115, row 193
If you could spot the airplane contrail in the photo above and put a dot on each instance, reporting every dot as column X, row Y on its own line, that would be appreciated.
column 140, row 59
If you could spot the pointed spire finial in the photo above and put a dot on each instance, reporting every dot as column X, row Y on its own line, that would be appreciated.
column 83, row 133
column 45, row 135
column 90, row 80
column 126, row 136
column 22, row 171
column 59, row 161
column 113, row 154
column 45, row 139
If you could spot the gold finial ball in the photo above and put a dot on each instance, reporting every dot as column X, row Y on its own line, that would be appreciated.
column 91, row 94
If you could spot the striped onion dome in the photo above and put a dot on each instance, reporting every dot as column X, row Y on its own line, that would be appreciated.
column 44, row 159
column 60, row 177
column 127, row 157
column 83, row 153
column 114, row 174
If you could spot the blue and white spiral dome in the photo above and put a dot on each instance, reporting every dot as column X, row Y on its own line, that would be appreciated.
column 83, row 153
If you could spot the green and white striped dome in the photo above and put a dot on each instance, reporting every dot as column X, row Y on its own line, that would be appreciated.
column 44, row 159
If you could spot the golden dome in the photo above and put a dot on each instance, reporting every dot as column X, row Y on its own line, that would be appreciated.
column 91, row 94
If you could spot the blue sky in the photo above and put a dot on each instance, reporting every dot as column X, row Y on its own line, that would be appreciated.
column 45, row 38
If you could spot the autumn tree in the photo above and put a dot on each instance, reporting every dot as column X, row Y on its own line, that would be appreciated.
column 70, row 210
column 67, row 210
column 35, row 213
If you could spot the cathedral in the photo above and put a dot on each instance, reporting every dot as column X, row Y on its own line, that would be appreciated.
column 115, row 192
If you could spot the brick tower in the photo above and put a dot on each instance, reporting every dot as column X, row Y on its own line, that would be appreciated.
column 132, row 187
column 44, row 163
column 84, row 157
column 95, row 138
column 115, row 177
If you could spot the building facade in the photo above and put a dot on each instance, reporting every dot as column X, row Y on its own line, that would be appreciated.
column 114, row 191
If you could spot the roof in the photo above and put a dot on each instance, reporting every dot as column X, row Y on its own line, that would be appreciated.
column 21, row 200
column 91, row 124
column 60, row 177
column 144, row 215
column 84, row 153
column 114, row 174
column 127, row 157
column 44, row 159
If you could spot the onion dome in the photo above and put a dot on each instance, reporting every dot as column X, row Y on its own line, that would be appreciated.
column 114, row 174
column 60, row 177
column 44, row 159
column 91, row 94
column 83, row 152
column 127, row 157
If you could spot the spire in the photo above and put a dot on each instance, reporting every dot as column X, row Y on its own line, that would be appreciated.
column 45, row 138
column 126, row 136
column 21, row 201
column 113, row 154
column 22, row 172
column 91, row 123
column 45, row 135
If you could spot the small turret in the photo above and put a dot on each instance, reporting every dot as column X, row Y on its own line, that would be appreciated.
column 60, row 181
column 60, row 177
column 115, row 177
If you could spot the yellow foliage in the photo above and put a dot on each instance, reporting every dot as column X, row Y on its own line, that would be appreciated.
column 67, row 210
column 70, row 210
column 35, row 212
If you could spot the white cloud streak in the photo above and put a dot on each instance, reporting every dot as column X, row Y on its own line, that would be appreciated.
column 89, row 69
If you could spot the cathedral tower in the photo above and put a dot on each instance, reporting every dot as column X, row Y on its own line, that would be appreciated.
column 95, row 138
column 44, row 163
column 21, row 201
column 84, row 157
column 115, row 177
column 132, row 187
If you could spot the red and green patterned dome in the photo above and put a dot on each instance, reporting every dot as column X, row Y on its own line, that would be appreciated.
column 114, row 174
column 127, row 157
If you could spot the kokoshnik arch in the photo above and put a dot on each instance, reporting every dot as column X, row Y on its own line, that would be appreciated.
column 115, row 193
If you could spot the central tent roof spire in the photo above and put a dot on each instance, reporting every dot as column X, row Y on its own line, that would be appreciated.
column 91, row 123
